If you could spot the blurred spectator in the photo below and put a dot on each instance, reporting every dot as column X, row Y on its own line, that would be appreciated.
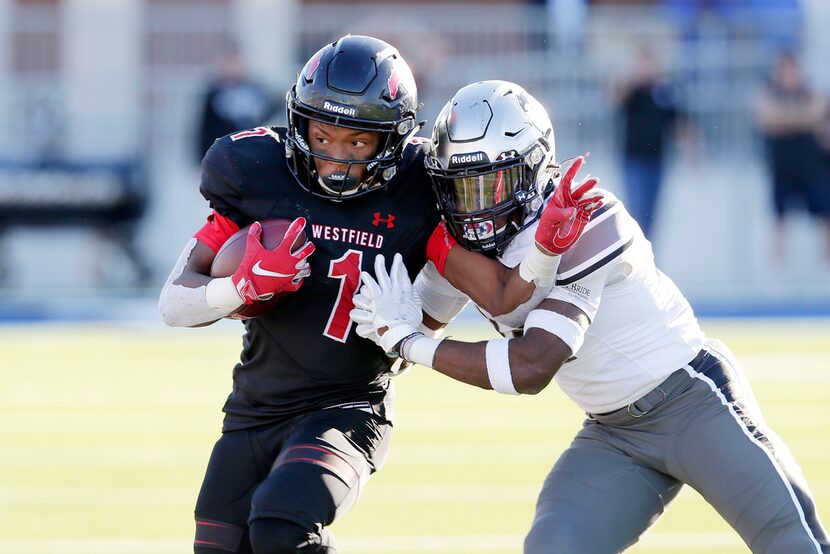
column 233, row 101
column 824, row 144
column 649, row 113
column 790, row 115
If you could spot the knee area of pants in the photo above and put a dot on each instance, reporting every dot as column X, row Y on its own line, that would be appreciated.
column 278, row 536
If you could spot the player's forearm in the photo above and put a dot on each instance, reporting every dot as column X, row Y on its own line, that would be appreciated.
column 465, row 362
column 182, row 306
column 190, row 299
column 509, row 366
column 492, row 286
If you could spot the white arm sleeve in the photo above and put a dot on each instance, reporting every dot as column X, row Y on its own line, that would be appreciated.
column 439, row 299
column 182, row 306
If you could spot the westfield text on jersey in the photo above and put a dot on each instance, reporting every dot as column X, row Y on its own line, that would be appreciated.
column 344, row 234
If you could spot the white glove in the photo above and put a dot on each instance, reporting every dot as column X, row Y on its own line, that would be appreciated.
column 388, row 303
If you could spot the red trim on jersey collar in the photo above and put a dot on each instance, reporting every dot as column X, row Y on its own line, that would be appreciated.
column 216, row 231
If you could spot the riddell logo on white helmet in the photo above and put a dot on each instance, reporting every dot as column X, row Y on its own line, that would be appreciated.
column 457, row 159
column 344, row 110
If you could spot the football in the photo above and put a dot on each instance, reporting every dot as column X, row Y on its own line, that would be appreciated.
column 231, row 253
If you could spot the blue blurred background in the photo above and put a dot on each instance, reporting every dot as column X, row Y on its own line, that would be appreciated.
column 102, row 105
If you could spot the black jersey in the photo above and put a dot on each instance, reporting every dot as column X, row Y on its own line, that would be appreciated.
column 304, row 354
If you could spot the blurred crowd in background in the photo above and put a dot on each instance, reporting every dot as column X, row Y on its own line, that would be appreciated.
column 709, row 118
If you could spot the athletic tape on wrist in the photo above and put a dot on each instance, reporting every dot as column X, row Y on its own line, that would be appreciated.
column 568, row 330
column 498, row 366
column 390, row 341
column 221, row 294
column 419, row 349
column 539, row 268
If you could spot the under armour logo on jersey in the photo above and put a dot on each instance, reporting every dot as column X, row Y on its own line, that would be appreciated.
column 389, row 220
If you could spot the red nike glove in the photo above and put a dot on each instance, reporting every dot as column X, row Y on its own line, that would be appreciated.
column 439, row 246
column 565, row 216
column 263, row 273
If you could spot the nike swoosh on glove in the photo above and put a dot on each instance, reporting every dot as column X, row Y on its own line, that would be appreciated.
column 387, row 309
column 567, row 212
column 262, row 272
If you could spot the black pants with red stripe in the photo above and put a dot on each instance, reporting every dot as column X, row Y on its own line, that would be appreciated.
column 275, row 488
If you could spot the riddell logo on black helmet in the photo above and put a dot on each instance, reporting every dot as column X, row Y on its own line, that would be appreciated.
column 471, row 158
column 337, row 108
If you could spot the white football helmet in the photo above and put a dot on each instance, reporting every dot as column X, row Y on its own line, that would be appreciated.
column 491, row 164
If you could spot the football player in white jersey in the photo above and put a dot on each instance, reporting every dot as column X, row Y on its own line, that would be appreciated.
column 666, row 406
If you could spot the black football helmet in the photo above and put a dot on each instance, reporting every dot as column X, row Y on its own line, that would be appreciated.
column 357, row 82
column 492, row 163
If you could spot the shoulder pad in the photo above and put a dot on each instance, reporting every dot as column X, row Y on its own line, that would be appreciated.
column 220, row 183
column 609, row 233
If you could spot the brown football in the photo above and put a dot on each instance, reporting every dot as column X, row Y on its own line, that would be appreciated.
column 231, row 253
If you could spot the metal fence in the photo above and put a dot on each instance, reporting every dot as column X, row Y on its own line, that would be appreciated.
column 447, row 45
column 171, row 47
column 715, row 74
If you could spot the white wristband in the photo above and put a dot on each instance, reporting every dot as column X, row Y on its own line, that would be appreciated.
column 498, row 366
column 539, row 267
column 393, row 335
column 221, row 294
column 420, row 350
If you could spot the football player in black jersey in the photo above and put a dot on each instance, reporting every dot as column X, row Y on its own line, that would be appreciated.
column 309, row 416
column 308, row 419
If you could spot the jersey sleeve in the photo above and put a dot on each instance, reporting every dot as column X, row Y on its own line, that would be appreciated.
column 216, row 231
column 439, row 299
column 593, row 262
column 221, row 185
column 584, row 293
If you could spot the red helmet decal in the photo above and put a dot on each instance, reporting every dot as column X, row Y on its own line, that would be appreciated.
column 392, row 83
column 313, row 64
column 453, row 118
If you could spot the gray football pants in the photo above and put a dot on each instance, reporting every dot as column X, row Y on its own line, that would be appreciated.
column 701, row 426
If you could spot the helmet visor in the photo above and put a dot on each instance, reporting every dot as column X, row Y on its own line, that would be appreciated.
column 484, row 191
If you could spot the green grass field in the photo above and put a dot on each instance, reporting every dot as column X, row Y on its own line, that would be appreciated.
column 104, row 436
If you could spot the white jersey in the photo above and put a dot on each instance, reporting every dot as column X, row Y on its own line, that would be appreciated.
column 641, row 327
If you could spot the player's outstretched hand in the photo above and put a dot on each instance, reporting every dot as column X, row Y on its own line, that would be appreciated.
column 386, row 307
column 262, row 273
column 567, row 213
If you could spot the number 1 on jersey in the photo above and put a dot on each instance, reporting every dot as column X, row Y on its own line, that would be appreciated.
column 347, row 269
